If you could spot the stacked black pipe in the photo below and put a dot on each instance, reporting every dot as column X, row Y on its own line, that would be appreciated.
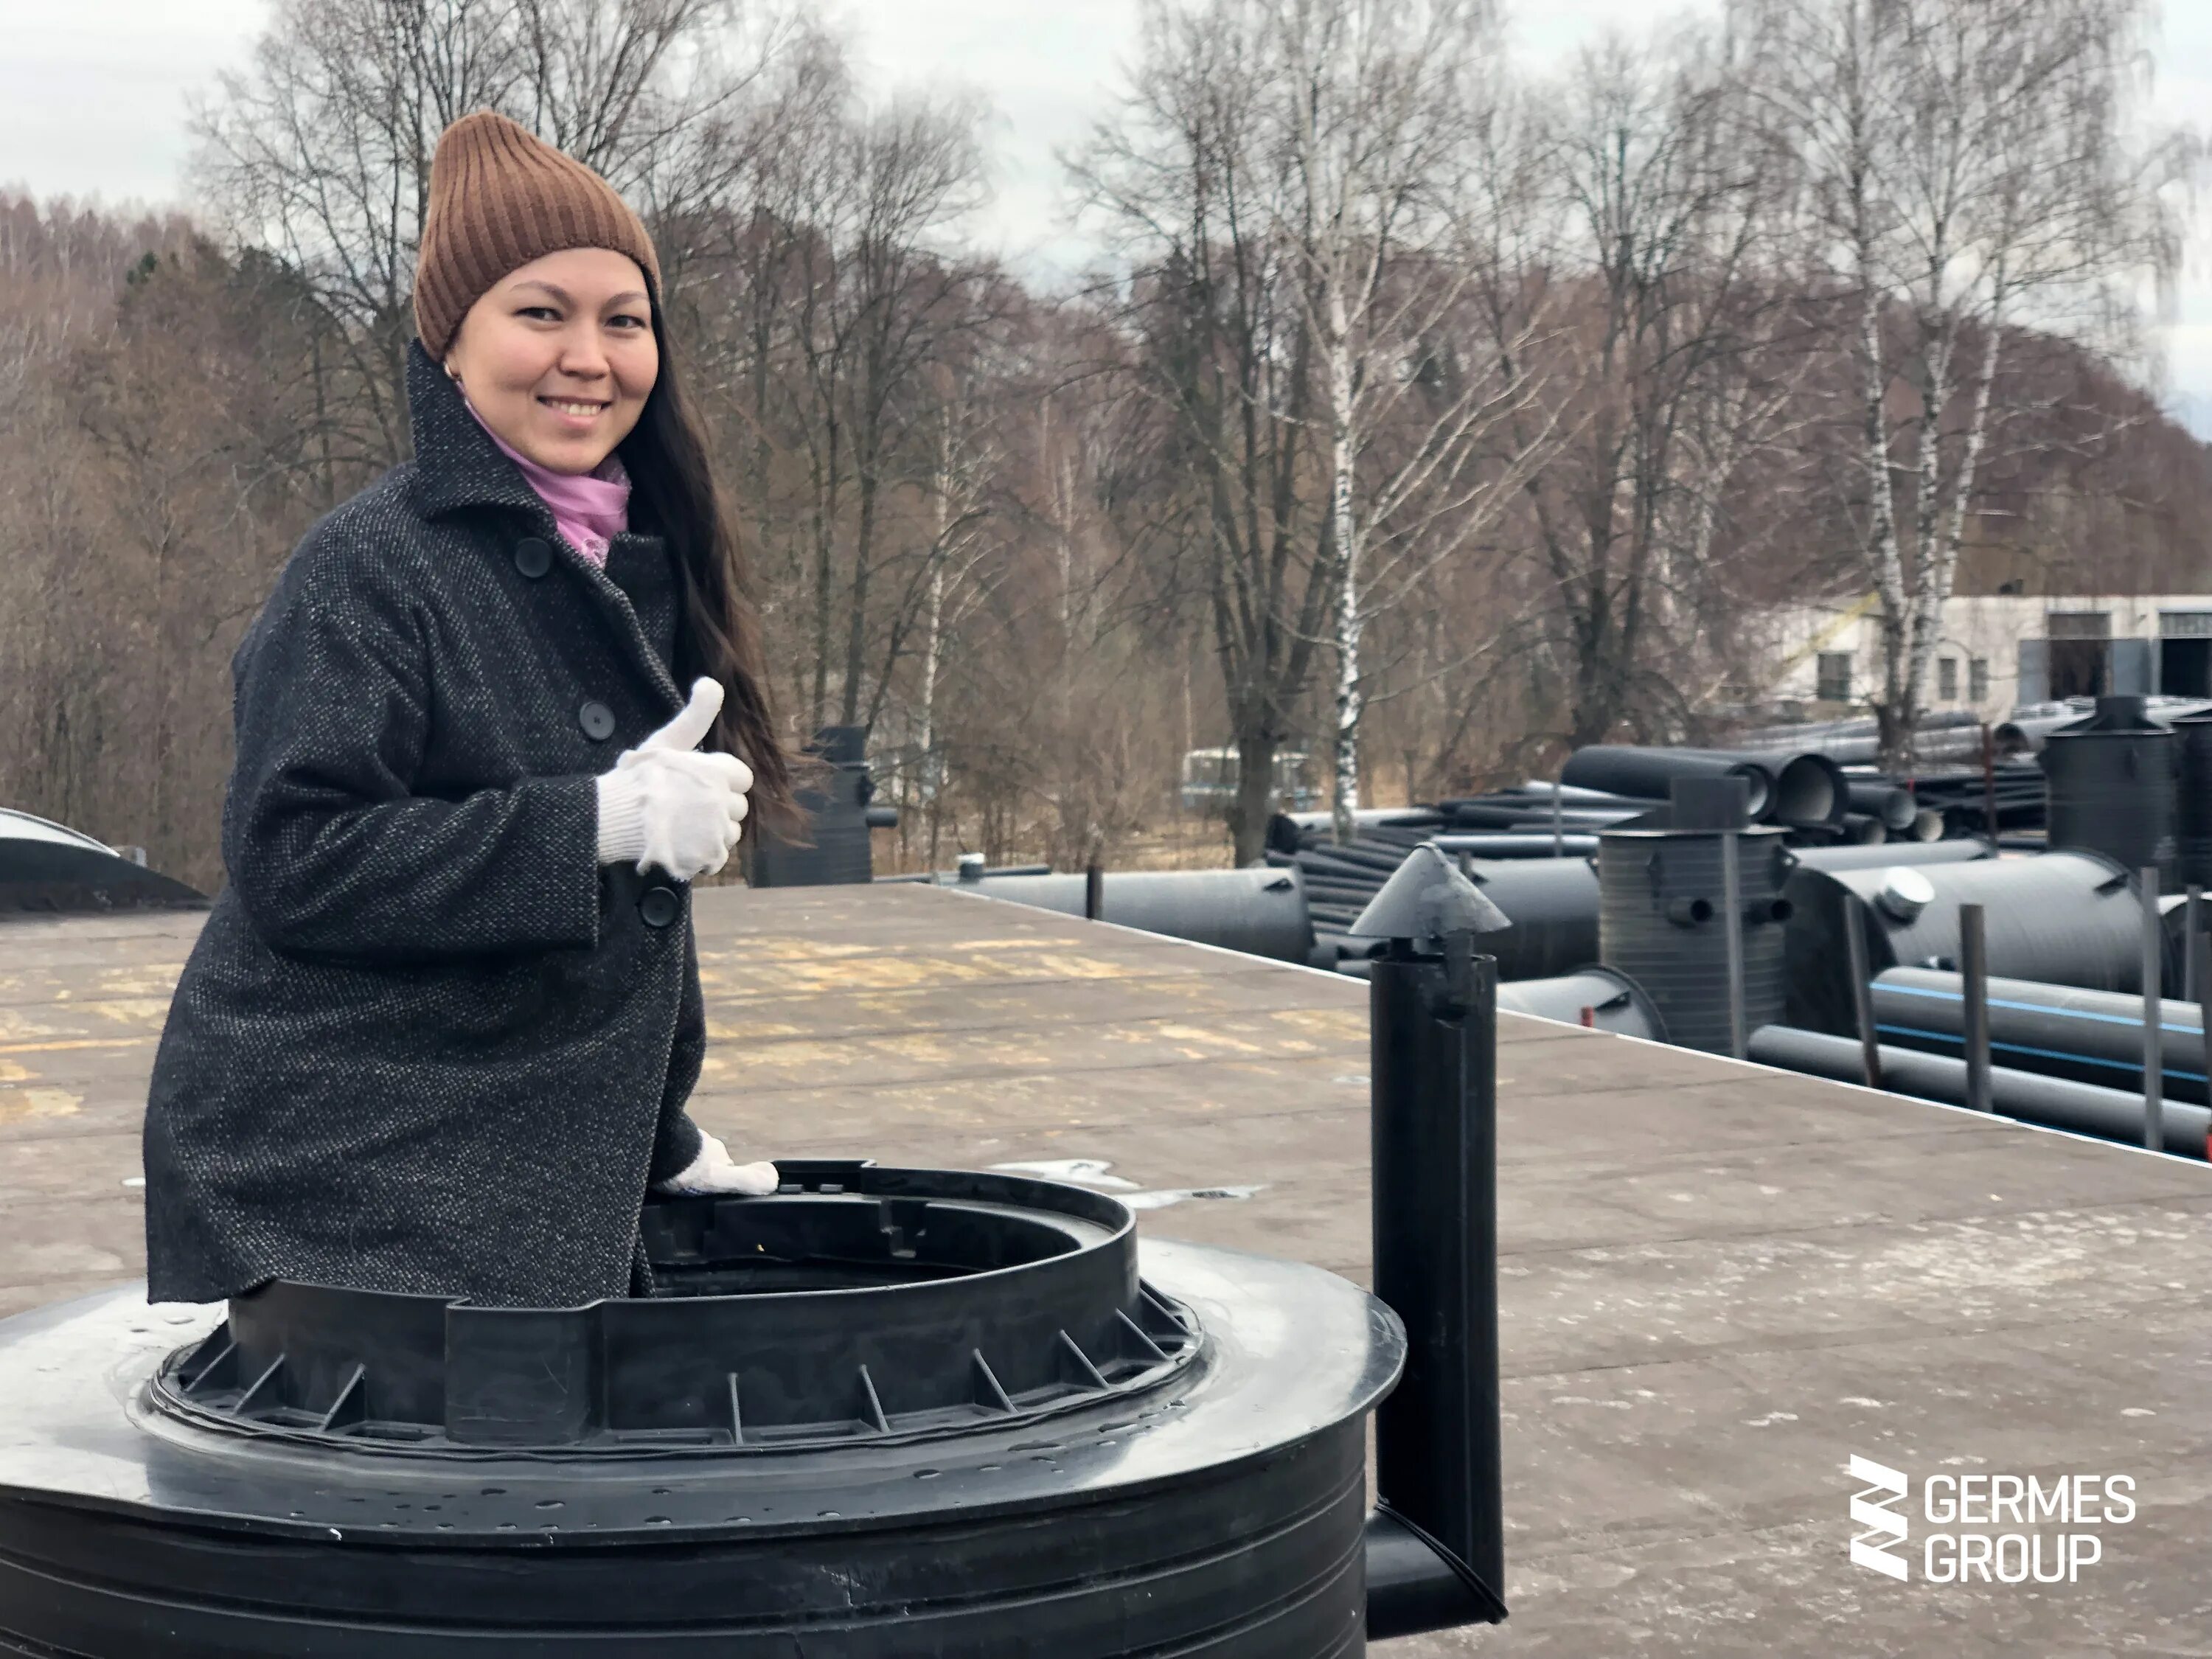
column 1962, row 799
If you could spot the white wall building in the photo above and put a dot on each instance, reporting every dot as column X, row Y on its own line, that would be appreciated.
column 1998, row 651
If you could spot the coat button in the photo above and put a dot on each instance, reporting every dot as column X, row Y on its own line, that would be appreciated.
column 659, row 906
column 598, row 722
column 532, row 557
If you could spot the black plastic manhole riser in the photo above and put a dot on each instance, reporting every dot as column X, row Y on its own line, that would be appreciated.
column 859, row 1305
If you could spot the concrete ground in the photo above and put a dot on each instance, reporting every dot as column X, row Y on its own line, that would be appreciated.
column 1718, row 1282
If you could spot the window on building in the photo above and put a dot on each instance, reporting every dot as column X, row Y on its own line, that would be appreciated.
column 1947, row 678
column 1835, row 677
column 1977, row 680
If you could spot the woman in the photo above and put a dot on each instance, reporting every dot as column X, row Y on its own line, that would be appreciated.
column 438, row 1033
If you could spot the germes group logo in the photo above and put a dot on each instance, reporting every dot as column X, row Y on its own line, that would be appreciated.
column 2053, row 1541
column 1881, row 1546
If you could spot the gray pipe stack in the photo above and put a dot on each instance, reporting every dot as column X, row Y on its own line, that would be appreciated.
column 1664, row 919
column 2111, row 781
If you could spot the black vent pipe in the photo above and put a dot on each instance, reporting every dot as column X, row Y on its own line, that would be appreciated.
column 1436, row 1541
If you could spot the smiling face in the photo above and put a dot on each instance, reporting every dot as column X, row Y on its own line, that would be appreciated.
column 558, row 355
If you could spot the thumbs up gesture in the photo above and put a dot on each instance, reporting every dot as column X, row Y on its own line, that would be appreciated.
column 669, row 806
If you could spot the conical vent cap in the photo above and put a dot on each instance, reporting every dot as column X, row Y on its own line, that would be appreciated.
column 1426, row 900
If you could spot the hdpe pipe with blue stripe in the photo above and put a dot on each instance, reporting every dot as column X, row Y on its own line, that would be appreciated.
column 2058, row 1031
column 2052, row 1102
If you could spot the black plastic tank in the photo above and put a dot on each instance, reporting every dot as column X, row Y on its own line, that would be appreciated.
column 47, row 866
column 837, row 798
column 1662, row 920
column 1552, row 905
column 1616, row 1002
column 883, row 1414
column 2060, row 918
column 1888, row 855
column 1261, row 911
column 2111, row 780
column 2192, row 806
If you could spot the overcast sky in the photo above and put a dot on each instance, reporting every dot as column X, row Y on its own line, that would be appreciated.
column 91, row 101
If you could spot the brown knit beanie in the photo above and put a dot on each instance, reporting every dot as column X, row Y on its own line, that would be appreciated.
column 499, row 199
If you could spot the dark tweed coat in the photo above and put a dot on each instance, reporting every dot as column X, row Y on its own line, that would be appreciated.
column 425, row 1043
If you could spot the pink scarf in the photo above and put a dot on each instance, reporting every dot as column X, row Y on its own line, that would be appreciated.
column 589, row 508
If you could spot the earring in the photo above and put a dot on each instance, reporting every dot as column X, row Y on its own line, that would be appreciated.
column 452, row 373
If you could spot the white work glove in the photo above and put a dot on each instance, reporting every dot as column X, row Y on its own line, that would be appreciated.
column 711, row 1171
column 666, row 805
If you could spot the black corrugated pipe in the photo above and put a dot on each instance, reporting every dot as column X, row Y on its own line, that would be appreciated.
column 2062, row 919
column 1616, row 1002
column 2054, row 1102
column 1435, row 1540
column 2060, row 1031
column 1625, row 769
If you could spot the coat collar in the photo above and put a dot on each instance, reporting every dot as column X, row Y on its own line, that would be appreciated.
column 457, row 465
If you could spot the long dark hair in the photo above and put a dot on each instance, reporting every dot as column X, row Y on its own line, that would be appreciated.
column 672, row 484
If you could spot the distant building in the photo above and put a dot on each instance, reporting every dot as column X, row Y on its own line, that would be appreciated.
column 1998, row 651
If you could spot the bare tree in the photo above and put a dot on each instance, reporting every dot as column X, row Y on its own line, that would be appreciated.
column 320, row 153
column 1378, row 104
column 1974, row 172
column 1661, row 208
column 1190, row 189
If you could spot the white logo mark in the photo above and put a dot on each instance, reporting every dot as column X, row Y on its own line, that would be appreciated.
column 1880, row 1520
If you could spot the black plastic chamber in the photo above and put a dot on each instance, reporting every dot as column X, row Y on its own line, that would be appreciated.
column 883, row 1414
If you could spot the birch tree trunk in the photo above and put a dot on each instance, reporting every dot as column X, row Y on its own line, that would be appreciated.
column 1344, row 532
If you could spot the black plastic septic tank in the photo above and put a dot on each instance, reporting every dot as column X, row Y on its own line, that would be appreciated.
column 2192, row 816
column 1664, row 920
column 2111, row 781
column 883, row 1414
column 837, row 794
